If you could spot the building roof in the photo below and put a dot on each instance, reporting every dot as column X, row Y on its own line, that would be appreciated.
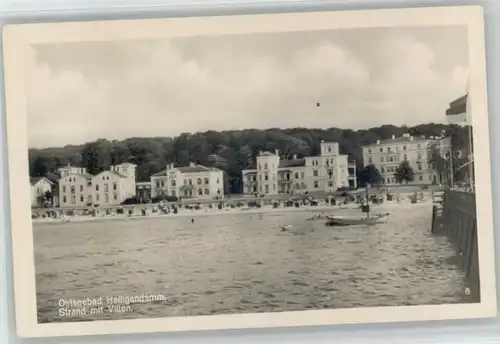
column 54, row 178
column 126, row 164
column 187, row 169
column 34, row 180
column 292, row 163
column 160, row 174
column 401, row 139
column 111, row 172
column 196, row 169
column 84, row 175
column 267, row 154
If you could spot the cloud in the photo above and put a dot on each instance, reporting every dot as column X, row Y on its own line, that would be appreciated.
column 165, row 88
column 57, row 100
column 412, row 83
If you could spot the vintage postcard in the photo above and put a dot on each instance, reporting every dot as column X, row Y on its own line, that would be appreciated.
column 249, row 171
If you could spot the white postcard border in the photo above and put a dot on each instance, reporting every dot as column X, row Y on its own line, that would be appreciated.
column 17, row 37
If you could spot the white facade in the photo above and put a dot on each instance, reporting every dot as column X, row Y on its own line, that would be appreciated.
column 39, row 187
column 78, row 188
column 326, row 173
column 387, row 155
column 193, row 181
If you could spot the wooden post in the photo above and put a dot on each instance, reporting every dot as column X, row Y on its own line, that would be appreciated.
column 434, row 218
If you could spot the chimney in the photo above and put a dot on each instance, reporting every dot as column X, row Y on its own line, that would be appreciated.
column 393, row 137
column 295, row 157
column 277, row 152
column 378, row 142
column 411, row 138
column 191, row 164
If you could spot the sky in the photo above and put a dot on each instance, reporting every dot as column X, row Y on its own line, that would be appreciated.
column 78, row 92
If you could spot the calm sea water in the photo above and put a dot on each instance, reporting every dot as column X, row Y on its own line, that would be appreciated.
column 242, row 263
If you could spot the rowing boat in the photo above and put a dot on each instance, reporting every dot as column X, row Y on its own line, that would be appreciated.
column 350, row 221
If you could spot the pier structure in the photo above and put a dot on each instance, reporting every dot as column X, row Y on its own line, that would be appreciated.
column 454, row 216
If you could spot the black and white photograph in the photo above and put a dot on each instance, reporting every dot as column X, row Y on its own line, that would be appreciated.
column 204, row 174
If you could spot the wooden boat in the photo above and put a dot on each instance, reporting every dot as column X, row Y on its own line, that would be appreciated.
column 367, row 220
column 346, row 221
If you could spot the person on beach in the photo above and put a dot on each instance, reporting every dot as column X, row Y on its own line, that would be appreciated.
column 192, row 220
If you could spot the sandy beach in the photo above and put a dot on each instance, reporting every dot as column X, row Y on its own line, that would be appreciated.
column 324, row 208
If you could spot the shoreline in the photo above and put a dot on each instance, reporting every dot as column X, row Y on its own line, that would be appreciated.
column 187, row 213
column 229, row 211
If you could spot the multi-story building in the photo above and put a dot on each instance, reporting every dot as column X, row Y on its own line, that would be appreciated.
column 112, row 187
column 326, row 172
column 387, row 155
column 196, row 181
column 40, row 188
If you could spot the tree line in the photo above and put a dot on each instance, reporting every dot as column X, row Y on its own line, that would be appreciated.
column 231, row 151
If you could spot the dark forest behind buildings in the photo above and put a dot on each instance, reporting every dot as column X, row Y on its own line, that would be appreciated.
column 232, row 151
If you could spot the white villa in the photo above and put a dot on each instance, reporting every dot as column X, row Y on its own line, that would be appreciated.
column 387, row 155
column 39, row 187
column 196, row 181
column 326, row 172
column 78, row 188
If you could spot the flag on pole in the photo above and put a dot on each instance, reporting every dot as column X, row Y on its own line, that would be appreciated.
column 457, row 113
column 460, row 113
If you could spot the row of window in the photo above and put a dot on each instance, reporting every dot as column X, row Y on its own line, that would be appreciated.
column 97, row 188
column 89, row 198
column 73, row 179
column 266, row 166
column 389, row 169
column 390, row 149
column 286, row 176
column 200, row 192
column 393, row 158
column 199, row 181
column 296, row 175
column 328, row 162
